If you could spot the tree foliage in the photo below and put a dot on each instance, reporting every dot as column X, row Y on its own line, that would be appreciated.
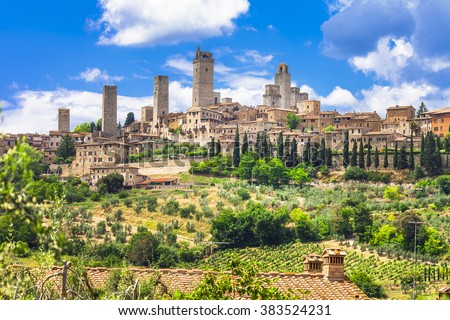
column 112, row 183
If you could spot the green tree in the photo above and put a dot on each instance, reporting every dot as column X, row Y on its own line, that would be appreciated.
column 369, row 155
column 422, row 149
column 411, row 152
column 66, row 148
column 92, row 127
column 304, row 228
column 292, row 158
column 112, row 183
column 403, row 161
column 307, row 152
column 82, row 127
column 386, row 157
column 422, row 109
column 299, row 175
column 248, row 161
column 368, row 285
column 218, row 148
column 244, row 144
column 363, row 222
column 287, row 150
column 212, row 148
column 376, row 159
column 292, row 121
column 277, row 172
column 329, row 158
column 354, row 159
column 322, row 153
column 346, row 161
column 130, row 119
column 361, row 154
column 142, row 249
column 236, row 150
column 99, row 125
column 315, row 160
column 280, row 145
column 396, row 156
column 329, row 128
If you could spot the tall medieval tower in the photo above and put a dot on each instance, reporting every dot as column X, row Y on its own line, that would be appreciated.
column 203, row 79
column 63, row 120
column 160, row 98
column 283, row 79
column 109, row 110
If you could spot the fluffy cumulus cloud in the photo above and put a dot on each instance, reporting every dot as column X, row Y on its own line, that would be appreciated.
column 143, row 22
column 254, row 57
column 338, row 98
column 390, row 57
column 36, row 111
column 97, row 75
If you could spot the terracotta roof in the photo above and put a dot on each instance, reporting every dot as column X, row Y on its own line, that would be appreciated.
column 158, row 180
column 400, row 107
column 444, row 290
column 443, row 110
column 186, row 281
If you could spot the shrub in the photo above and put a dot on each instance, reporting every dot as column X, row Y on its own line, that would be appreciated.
column 112, row 183
column 118, row 215
column 419, row 172
column 243, row 193
column 391, row 193
column 378, row 177
column 123, row 194
column 443, row 183
column 171, row 207
column 152, row 203
column 128, row 203
column 190, row 227
column 138, row 207
column 95, row 196
column 100, row 228
column 355, row 173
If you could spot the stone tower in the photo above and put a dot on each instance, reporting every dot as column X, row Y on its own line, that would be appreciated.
column 203, row 79
column 160, row 97
column 272, row 96
column 63, row 120
column 109, row 110
column 283, row 79
column 147, row 113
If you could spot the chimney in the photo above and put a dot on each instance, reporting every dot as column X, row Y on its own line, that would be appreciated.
column 313, row 264
column 333, row 264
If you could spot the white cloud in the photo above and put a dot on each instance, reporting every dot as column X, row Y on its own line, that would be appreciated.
column 97, row 75
column 391, row 56
column 143, row 22
column 335, row 6
column 180, row 64
column 253, row 56
column 435, row 64
column 339, row 98
column 36, row 111
column 378, row 98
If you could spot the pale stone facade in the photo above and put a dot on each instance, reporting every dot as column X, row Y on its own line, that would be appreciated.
column 147, row 113
column 160, row 100
column 283, row 80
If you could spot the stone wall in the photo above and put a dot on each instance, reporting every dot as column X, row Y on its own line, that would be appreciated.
column 109, row 110
column 63, row 120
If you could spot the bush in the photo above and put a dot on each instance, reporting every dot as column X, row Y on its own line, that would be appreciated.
column 443, row 183
column 128, row 203
column 367, row 285
column 112, row 183
column 152, row 203
column 123, row 194
column 355, row 173
column 100, row 228
column 190, row 227
column 378, row 177
column 171, row 207
column 243, row 193
column 391, row 193
column 118, row 215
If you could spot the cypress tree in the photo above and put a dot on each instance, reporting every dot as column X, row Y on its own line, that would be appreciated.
column 411, row 153
column 361, row 155
column 306, row 152
column 258, row 138
column 376, row 161
column 322, row 153
column 280, row 152
column 430, row 154
column 329, row 158
column 396, row 156
column 346, row 161
column 447, row 144
column 315, row 154
column 264, row 145
column 244, row 144
column 422, row 148
column 386, row 157
column 354, row 159
column 212, row 148
column 218, row 148
column 403, row 160
column 437, row 156
column 293, row 155
column 369, row 155
column 236, row 150
column 287, row 149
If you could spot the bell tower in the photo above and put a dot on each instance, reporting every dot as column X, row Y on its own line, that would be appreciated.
column 203, row 79
column 283, row 80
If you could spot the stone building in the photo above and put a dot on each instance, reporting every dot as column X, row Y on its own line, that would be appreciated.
column 63, row 120
column 160, row 100
column 203, row 79
column 109, row 110
column 283, row 81
column 439, row 121
column 147, row 113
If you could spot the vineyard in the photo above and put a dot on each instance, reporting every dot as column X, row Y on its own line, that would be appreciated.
column 289, row 258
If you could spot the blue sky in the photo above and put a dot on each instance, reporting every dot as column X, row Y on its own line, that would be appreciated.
column 352, row 55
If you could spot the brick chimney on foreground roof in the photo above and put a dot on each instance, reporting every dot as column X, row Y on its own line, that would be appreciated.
column 333, row 264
